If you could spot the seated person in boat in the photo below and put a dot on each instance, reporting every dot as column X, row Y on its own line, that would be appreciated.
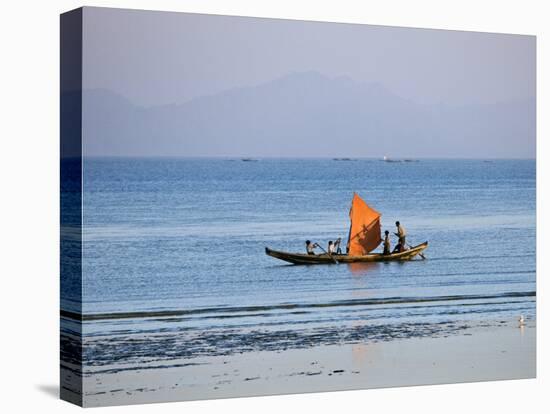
column 336, row 245
column 310, row 246
column 387, row 243
column 401, row 233
column 398, row 248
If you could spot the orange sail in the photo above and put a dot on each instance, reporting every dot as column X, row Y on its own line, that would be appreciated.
column 364, row 231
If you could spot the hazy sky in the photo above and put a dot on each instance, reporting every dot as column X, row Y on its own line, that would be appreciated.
column 269, row 87
column 159, row 57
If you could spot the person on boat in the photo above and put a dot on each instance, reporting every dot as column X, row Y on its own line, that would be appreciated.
column 398, row 248
column 401, row 234
column 310, row 246
column 387, row 243
column 330, row 247
column 336, row 245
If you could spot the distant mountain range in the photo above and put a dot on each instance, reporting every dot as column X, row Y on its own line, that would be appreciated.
column 307, row 114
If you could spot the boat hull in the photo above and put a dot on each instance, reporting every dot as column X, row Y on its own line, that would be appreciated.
column 306, row 259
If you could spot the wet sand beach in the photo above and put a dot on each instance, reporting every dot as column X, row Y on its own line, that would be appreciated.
column 479, row 352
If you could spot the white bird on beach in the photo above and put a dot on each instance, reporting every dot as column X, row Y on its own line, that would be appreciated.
column 521, row 321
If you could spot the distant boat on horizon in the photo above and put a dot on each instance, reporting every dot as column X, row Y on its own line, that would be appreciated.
column 386, row 159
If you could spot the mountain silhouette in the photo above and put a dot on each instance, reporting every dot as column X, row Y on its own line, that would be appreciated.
column 306, row 114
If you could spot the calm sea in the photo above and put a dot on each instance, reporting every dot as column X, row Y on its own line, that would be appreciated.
column 174, row 263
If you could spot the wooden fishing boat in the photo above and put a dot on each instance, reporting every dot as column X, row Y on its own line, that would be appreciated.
column 308, row 259
column 364, row 237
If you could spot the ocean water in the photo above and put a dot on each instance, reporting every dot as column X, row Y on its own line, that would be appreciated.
column 174, row 264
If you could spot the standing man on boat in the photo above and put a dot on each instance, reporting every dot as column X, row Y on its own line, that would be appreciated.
column 310, row 246
column 387, row 243
column 336, row 246
column 401, row 233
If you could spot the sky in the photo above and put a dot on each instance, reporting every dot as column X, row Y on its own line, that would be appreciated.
column 161, row 57
column 158, row 58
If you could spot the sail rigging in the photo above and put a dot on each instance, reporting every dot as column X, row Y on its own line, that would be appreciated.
column 364, row 231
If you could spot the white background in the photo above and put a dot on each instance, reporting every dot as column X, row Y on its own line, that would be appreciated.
column 29, row 269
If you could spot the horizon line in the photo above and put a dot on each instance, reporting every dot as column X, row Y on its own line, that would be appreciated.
column 327, row 157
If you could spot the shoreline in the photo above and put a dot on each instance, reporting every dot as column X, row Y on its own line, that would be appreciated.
column 481, row 353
